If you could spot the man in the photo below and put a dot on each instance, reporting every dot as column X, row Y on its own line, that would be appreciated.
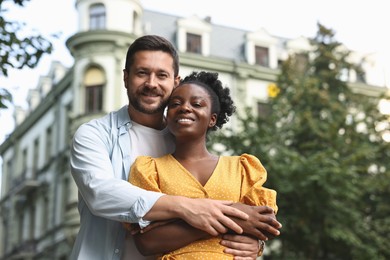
column 104, row 149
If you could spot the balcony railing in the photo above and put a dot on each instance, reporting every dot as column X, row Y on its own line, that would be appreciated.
column 23, row 184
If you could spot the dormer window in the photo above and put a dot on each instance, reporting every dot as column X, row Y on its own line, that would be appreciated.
column 194, row 43
column 262, row 56
column 260, row 49
column 193, row 35
column 97, row 17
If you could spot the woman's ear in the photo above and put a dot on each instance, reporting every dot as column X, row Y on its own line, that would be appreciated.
column 213, row 120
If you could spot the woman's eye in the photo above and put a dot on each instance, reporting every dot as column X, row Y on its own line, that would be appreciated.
column 175, row 104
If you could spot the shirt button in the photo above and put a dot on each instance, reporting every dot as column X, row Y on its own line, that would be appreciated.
column 116, row 251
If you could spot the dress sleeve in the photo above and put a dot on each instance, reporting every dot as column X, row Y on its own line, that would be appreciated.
column 254, row 176
column 143, row 173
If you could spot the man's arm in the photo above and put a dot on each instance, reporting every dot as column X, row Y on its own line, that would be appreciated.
column 165, row 238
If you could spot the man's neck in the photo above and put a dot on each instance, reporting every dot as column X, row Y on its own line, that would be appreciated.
column 155, row 121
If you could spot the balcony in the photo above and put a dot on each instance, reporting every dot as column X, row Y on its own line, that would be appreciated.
column 25, row 250
column 23, row 184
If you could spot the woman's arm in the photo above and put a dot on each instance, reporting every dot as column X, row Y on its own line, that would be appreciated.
column 160, row 238
column 167, row 238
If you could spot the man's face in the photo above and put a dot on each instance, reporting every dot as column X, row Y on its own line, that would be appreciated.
column 150, row 81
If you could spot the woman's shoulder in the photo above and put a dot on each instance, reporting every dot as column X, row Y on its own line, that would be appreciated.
column 150, row 159
column 242, row 157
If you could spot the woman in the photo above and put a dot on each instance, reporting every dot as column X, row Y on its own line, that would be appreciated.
column 198, row 105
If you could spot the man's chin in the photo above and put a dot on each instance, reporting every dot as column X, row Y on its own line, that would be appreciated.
column 148, row 107
column 151, row 110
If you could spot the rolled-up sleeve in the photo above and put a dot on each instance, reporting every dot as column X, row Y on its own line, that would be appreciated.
column 105, row 190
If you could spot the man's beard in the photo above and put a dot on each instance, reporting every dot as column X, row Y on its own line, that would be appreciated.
column 137, row 105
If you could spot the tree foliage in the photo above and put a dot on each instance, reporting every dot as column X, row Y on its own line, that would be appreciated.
column 323, row 149
column 18, row 51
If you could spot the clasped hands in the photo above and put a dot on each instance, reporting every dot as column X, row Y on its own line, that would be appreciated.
column 261, row 222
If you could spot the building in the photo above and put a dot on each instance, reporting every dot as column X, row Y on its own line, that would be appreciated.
column 38, row 203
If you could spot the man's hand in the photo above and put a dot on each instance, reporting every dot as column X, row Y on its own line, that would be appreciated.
column 262, row 222
column 212, row 216
column 241, row 246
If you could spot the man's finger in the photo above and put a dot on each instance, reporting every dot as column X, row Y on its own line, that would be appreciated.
column 233, row 212
column 228, row 223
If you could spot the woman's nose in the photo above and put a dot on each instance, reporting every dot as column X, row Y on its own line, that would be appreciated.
column 185, row 107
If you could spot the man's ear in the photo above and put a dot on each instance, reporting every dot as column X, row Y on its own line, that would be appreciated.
column 177, row 81
column 125, row 77
column 213, row 120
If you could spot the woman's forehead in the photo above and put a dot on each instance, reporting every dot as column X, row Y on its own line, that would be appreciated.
column 191, row 87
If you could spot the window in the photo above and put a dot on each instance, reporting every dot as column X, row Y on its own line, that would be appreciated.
column 97, row 17
column 65, row 196
column 20, row 226
column 263, row 109
column 48, row 144
column 24, row 162
column 45, row 215
column 32, row 222
column 262, row 56
column 94, row 98
column 9, row 172
column 94, row 81
column 302, row 61
column 68, row 122
column 361, row 76
column 36, row 157
column 194, row 43
column 5, row 235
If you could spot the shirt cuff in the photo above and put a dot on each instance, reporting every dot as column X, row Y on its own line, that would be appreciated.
column 142, row 206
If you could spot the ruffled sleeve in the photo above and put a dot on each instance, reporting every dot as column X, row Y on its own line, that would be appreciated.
column 143, row 173
column 254, row 176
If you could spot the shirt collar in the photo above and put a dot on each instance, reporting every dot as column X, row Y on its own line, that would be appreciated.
column 124, row 122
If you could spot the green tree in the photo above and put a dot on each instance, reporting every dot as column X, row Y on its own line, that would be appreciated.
column 323, row 149
column 17, row 50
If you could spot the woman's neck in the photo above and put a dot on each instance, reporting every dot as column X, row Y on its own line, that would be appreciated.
column 192, row 150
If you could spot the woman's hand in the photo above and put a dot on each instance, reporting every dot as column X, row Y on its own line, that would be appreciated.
column 241, row 246
column 262, row 222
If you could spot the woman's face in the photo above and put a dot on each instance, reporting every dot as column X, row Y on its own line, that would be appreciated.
column 189, row 111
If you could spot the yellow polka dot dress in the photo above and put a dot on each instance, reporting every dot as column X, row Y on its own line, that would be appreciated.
column 235, row 178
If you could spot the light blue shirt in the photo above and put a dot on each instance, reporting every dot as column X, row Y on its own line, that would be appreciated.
column 100, row 163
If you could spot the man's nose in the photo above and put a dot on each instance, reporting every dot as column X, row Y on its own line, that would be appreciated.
column 152, row 81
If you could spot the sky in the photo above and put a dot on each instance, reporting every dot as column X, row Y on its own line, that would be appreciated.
column 361, row 25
